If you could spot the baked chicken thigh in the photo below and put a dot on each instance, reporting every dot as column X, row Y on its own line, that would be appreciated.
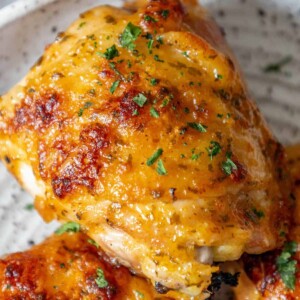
column 68, row 267
column 136, row 124
column 275, row 274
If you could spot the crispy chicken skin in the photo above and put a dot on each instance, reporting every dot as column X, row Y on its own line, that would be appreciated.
column 260, row 278
column 65, row 267
column 152, row 80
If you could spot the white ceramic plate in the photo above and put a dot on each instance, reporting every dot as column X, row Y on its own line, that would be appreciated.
column 260, row 32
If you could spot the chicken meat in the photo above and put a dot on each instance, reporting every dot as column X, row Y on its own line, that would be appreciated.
column 136, row 124
column 68, row 267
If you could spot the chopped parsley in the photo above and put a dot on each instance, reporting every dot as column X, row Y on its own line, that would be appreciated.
column 197, row 126
column 228, row 165
column 81, row 25
column 259, row 213
column 100, row 280
column 149, row 19
column 161, row 170
column 156, row 57
column 150, row 45
column 113, row 67
column 213, row 149
column 185, row 53
column 135, row 112
column 140, row 99
column 86, row 105
column 287, row 266
column 165, row 13
column 110, row 53
column 92, row 242
column 276, row 67
column 139, row 294
column 153, row 81
column 68, row 227
column 29, row 206
column 154, row 113
column 129, row 35
column 151, row 160
column 114, row 86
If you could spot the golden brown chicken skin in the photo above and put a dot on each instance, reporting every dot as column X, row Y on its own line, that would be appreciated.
column 68, row 267
column 275, row 275
column 136, row 123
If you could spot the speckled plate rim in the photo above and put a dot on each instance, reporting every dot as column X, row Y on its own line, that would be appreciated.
column 17, row 10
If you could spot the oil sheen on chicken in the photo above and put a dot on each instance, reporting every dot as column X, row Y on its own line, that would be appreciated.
column 68, row 267
column 136, row 124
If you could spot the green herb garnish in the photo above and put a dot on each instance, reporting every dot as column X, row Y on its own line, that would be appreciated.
column 165, row 13
column 100, row 280
column 287, row 266
column 114, row 86
column 140, row 99
column 149, row 19
column 259, row 213
column 92, row 242
column 154, row 113
column 68, row 227
column 197, row 126
column 151, row 160
column 228, row 165
column 29, row 206
column 87, row 105
column 185, row 53
column 276, row 67
column 139, row 294
column 161, row 170
column 156, row 57
column 110, row 53
column 153, row 81
column 213, row 149
column 81, row 25
column 129, row 35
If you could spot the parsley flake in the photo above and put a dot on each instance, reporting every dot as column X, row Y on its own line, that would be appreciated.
column 213, row 149
column 87, row 105
column 161, row 170
column 152, row 159
column 100, row 280
column 228, row 165
column 165, row 13
column 153, row 81
column 139, row 294
column 29, row 206
column 259, row 213
column 114, row 86
column 68, row 227
column 140, row 99
column 197, row 126
column 135, row 112
column 110, row 53
column 276, row 67
column 156, row 57
column 92, row 242
column 81, row 25
column 149, row 19
column 154, row 113
column 129, row 35
column 185, row 53
column 286, row 266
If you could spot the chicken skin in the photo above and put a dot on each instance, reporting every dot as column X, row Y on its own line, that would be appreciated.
column 136, row 124
column 68, row 267
column 275, row 275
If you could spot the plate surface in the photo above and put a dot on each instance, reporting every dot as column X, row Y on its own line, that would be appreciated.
column 261, row 32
